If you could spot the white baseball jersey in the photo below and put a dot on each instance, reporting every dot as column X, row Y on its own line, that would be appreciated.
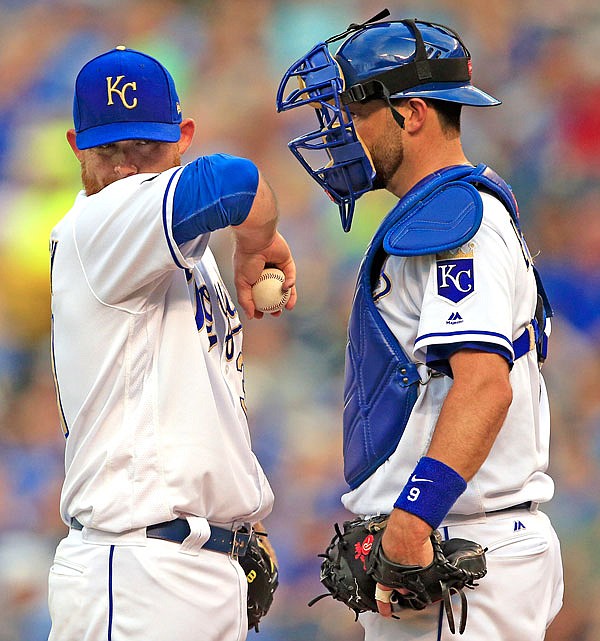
column 497, row 301
column 150, row 385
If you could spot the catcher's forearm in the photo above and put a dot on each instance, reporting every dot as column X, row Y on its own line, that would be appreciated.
column 470, row 419
column 473, row 412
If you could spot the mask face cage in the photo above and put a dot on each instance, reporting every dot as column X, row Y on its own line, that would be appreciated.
column 332, row 154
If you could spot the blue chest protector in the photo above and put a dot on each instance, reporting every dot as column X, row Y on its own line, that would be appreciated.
column 381, row 382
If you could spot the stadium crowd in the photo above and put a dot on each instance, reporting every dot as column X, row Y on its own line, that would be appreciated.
column 227, row 57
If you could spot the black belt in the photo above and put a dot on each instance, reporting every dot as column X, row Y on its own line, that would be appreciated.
column 521, row 506
column 230, row 542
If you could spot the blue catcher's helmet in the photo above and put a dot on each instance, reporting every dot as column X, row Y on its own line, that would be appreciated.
column 385, row 60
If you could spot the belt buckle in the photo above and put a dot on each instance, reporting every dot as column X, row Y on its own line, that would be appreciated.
column 531, row 331
column 239, row 545
column 233, row 553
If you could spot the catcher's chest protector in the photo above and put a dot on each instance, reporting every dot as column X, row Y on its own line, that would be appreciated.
column 381, row 382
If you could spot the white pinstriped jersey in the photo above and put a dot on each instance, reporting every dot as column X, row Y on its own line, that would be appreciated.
column 140, row 449
column 491, row 299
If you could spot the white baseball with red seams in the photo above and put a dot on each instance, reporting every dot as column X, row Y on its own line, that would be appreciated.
column 268, row 293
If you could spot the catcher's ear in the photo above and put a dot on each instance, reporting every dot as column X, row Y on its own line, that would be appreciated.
column 72, row 143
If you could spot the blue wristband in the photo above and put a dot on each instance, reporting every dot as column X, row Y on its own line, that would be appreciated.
column 431, row 491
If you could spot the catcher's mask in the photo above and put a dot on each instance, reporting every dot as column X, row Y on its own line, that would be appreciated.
column 376, row 60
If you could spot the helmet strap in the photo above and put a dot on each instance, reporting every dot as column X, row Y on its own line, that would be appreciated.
column 398, row 117
column 358, row 27
column 422, row 70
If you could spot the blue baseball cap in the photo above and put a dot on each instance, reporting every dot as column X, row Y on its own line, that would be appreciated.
column 124, row 94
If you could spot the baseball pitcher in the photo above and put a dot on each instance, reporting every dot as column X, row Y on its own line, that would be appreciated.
column 162, row 490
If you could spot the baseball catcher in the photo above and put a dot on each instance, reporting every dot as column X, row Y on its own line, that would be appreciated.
column 260, row 566
column 354, row 563
column 448, row 329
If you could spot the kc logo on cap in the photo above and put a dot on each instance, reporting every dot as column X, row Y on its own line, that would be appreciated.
column 113, row 88
column 125, row 94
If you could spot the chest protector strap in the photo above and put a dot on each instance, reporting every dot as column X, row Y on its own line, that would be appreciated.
column 381, row 382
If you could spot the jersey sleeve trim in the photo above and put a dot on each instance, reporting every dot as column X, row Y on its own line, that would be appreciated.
column 465, row 335
column 438, row 356
column 166, row 207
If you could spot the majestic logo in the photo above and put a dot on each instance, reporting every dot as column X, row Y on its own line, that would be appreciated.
column 455, row 274
column 518, row 526
column 113, row 88
column 454, row 318
column 362, row 550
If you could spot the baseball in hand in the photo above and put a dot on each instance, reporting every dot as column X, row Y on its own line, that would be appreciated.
column 268, row 293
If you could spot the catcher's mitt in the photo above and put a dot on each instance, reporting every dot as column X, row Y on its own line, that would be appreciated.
column 354, row 562
column 263, row 578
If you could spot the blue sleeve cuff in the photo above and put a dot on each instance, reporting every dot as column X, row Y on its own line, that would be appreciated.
column 438, row 356
column 213, row 192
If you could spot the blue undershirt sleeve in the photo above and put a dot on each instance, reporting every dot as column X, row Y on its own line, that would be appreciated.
column 213, row 192
column 438, row 356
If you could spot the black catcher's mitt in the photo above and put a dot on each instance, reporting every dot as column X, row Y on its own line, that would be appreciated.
column 354, row 562
column 263, row 578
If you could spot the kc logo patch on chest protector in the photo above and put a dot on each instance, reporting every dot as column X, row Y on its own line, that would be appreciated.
column 455, row 273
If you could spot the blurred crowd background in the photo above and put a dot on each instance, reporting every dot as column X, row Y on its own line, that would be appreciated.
column 227, row 56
